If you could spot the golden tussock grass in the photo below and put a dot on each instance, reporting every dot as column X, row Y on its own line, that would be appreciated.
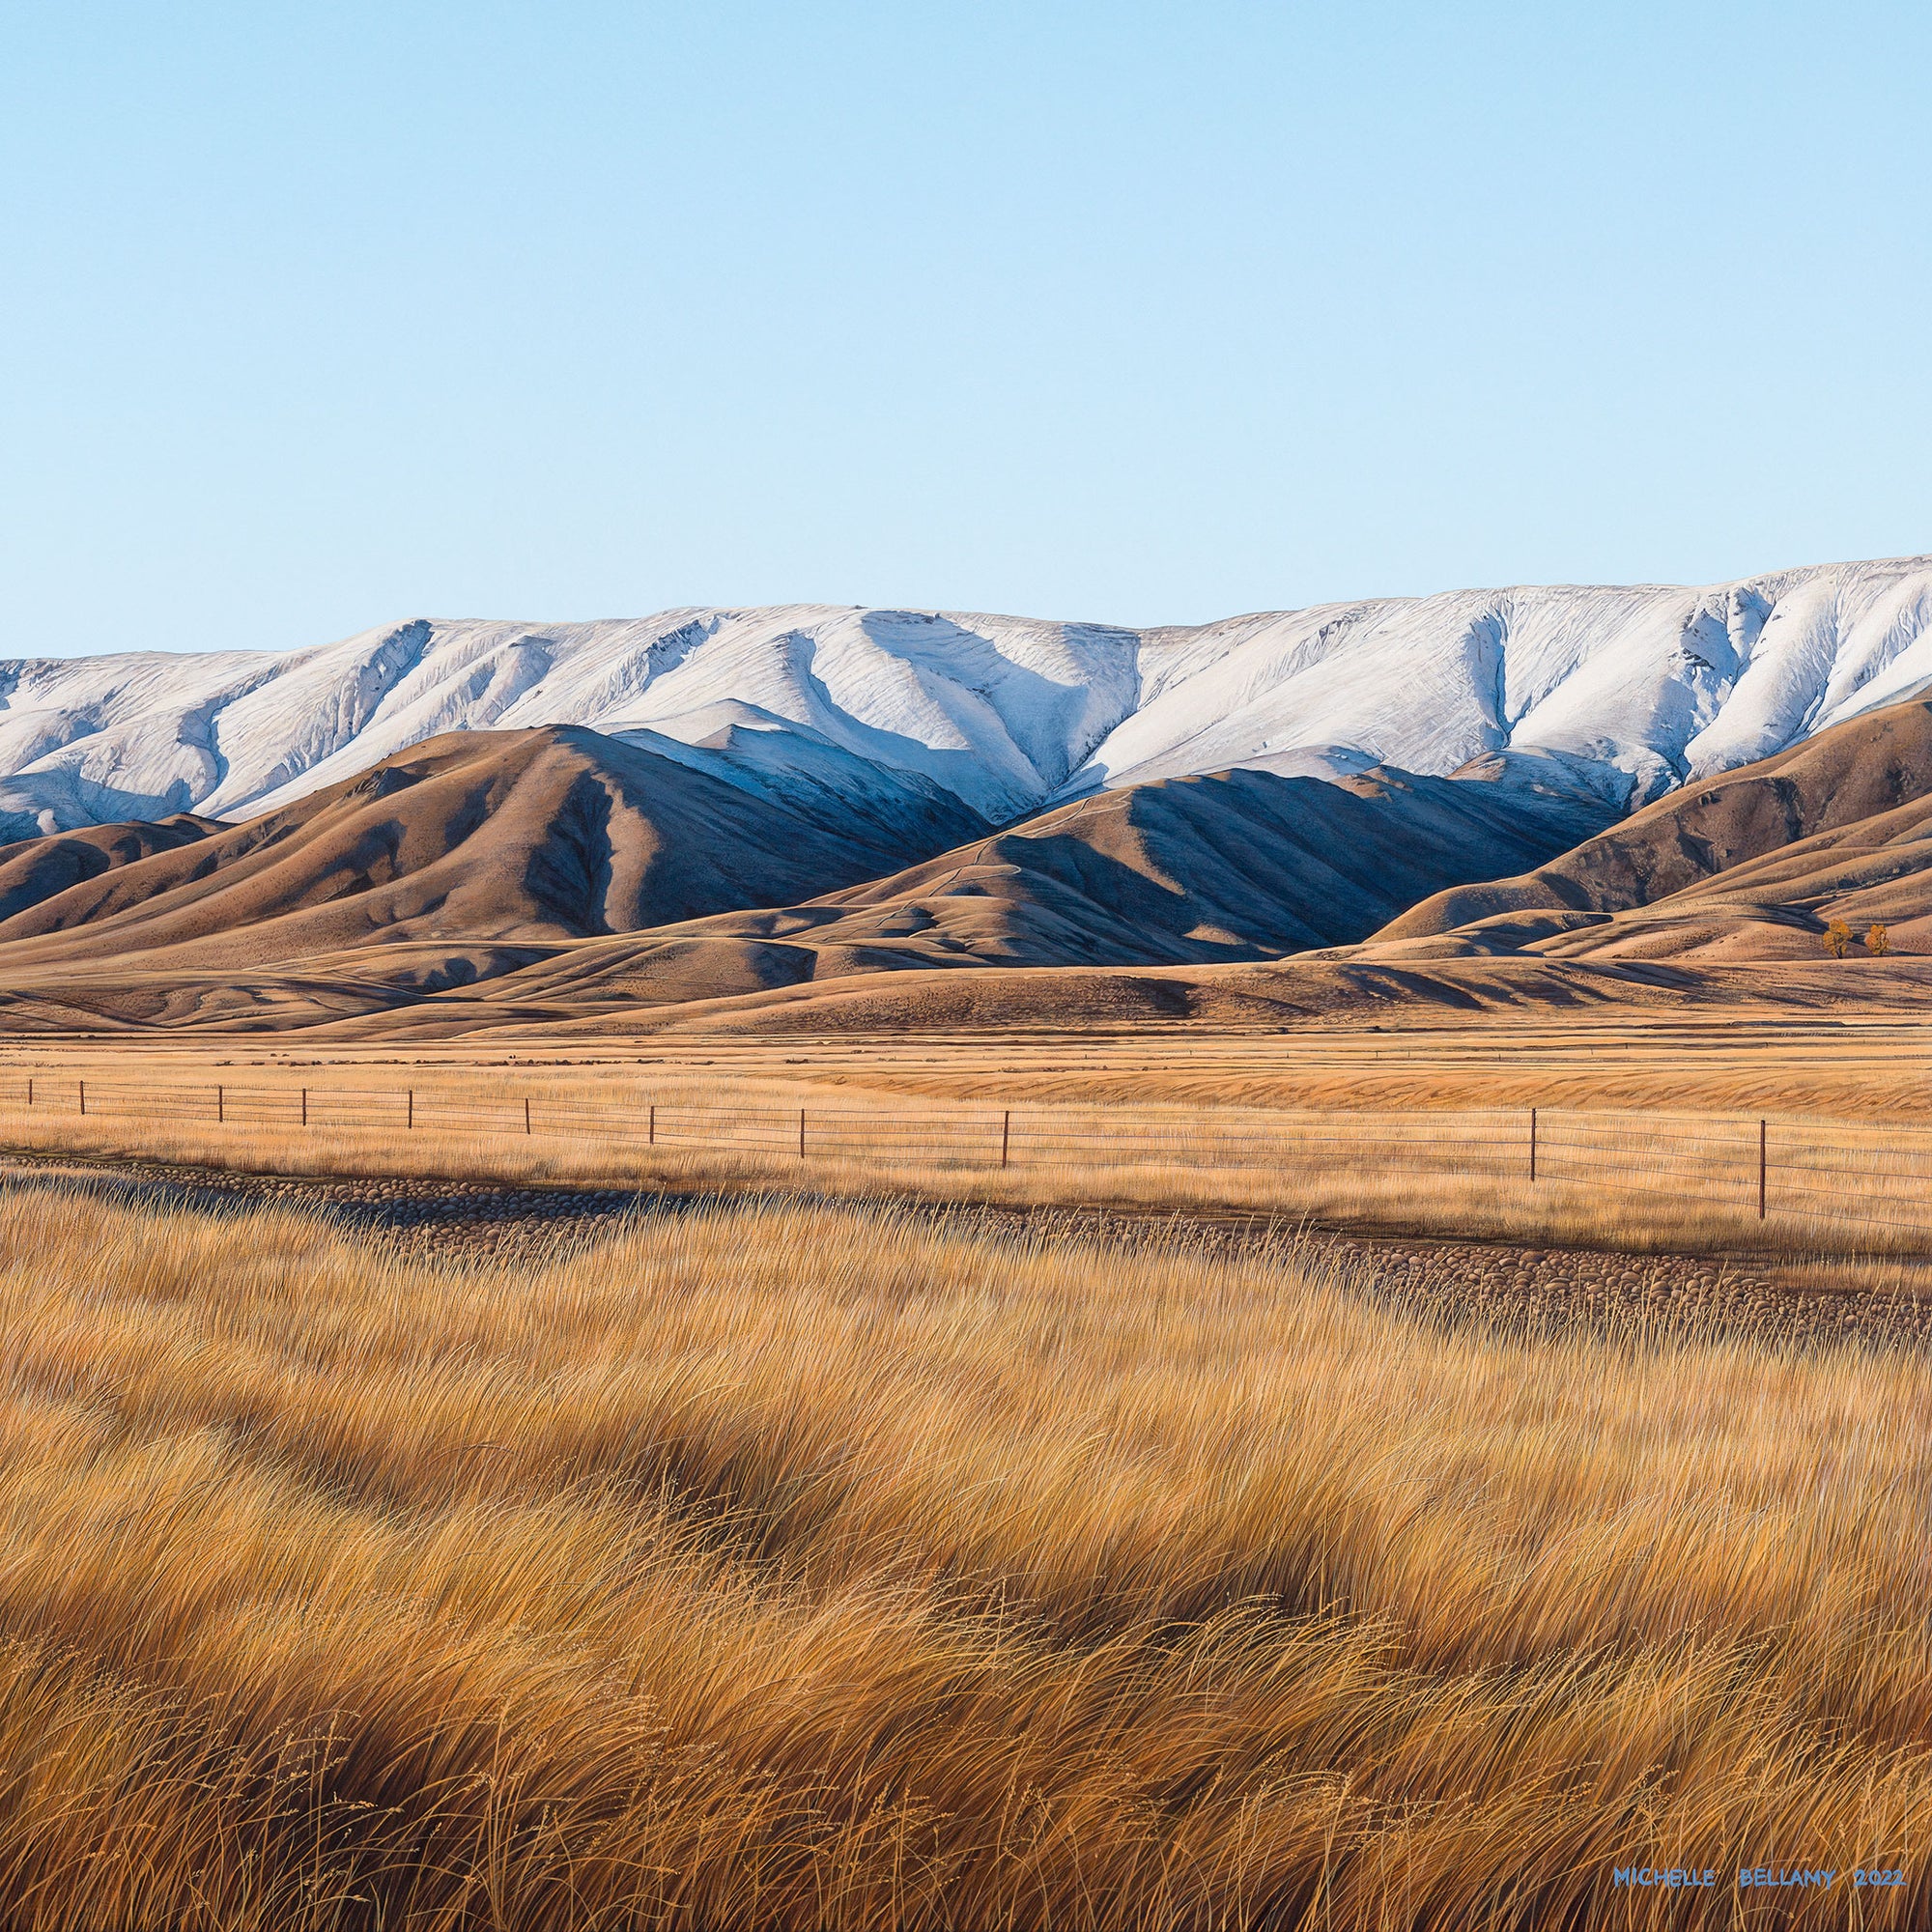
column 1848, row 1071
column 1853, row 1191
column 789, row 1566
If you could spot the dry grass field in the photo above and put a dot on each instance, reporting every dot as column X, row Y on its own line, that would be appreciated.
column 782, row 1565
column 1855, row 1067
column 1647, row 1137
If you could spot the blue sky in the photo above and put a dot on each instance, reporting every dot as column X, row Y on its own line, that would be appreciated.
column 319, row 317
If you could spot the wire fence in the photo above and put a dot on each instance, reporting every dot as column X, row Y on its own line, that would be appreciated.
column 1851, row 1177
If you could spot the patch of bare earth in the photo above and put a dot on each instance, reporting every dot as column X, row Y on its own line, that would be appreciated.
column 476, row 1223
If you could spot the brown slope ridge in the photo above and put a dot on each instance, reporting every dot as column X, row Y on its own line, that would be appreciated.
column 36, row 869
column 1742, row 869
column 1268, row 997
column 1239, row 865
column 504, row 840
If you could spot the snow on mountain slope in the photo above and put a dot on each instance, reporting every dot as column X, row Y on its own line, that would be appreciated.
column 1650, row 685
column 1623, row 690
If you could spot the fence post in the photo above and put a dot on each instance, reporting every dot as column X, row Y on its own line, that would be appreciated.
column 410, row 1119
column 30, row 1090
column 220, row 1104
column 801, row 1133
column 305, row 1106
column 651, row 1132
column 83, row 1097
column 1761, row 1137
column 526, row 1114
column 1532, row 1144
column 1006, row 1134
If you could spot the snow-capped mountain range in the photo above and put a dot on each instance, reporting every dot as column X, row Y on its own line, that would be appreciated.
column 1622, row 692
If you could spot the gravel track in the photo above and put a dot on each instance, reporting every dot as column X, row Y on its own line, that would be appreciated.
column 472, row 1222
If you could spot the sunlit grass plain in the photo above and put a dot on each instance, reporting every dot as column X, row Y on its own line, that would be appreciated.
column 792, row 1566
column 1851, row 1193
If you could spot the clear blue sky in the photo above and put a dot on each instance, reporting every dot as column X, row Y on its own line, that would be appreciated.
column 320, row 316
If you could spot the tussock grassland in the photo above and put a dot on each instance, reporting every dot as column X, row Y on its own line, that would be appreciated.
column 1859, row 1066
column 1861, row 1070
column 1857, row 1193
column 784, row 1566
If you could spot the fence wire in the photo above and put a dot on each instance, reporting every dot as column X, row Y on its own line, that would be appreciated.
column 1848, row 1176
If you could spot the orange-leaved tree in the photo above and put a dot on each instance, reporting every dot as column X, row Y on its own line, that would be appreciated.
column 1878, row 941
column 1837, row 936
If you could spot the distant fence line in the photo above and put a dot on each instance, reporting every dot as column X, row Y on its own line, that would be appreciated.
column 1848, row 1175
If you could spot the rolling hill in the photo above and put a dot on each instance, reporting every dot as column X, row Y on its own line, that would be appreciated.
column 758, row 864
column 488, row 839
column 1239, row 866
column 1748, row 867
column 573, row 866
column 38, row 869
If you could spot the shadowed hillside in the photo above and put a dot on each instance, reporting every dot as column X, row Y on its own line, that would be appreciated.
column 38, row 869
column 569, row 868
column 1241, row 865
column 551, row 878
column 1749, row 867
column 497, row 837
